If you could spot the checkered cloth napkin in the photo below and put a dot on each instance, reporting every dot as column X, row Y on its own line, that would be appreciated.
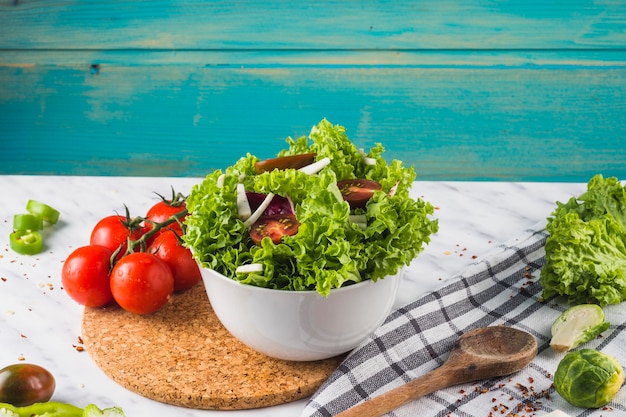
column 500, row 289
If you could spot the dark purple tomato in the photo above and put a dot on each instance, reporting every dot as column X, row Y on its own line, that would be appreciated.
column 25, row 384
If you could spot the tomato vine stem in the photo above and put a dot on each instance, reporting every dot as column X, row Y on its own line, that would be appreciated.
column 143, row 240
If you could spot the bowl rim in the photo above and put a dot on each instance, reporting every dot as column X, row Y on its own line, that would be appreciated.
column 350, row 287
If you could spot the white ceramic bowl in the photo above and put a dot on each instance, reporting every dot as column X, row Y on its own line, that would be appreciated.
column 300, row 325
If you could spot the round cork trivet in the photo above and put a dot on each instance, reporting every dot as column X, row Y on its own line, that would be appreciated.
column 182, row 355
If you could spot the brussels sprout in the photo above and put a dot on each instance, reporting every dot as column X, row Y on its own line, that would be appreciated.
column 577, row 325
column 588, row 378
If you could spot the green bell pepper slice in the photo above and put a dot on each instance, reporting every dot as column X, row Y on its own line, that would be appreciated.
column 47, row 409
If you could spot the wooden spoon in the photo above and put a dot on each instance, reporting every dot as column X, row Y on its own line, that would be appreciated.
column 482, row 353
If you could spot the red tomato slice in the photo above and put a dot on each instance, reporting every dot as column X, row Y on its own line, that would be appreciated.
column 274, row 227
column 285, row 162
column 357, row 192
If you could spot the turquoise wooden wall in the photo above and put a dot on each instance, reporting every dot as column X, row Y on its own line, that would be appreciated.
column 492, row 90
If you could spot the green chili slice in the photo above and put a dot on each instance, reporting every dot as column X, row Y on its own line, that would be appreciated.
column 27, row 222
column 26, row 242
column 47, row 409
column 46, row 212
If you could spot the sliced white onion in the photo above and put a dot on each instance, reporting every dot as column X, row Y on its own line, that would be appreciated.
column 358, row 218
column 243, row 206
column 316, row 166
column 220, row 180
column 366, row 159
column 249, row 268
column 362, row 226
column 392, row 190
column 259, row 211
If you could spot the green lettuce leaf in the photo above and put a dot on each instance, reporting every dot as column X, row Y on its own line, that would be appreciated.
column 329, row 251
column 586, row 246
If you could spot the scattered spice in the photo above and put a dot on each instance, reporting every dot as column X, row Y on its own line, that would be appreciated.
column 79, row 347
column 529, row 406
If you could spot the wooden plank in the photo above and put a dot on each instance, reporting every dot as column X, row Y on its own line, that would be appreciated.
column 322, row 58
column 525, row 122
column 330, row 24
column 461, row 89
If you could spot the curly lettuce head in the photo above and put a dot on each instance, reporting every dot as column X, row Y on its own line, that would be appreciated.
column 329, row 250
column 586, row 246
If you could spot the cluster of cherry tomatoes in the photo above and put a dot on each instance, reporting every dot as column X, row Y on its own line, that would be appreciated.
column 136, row 262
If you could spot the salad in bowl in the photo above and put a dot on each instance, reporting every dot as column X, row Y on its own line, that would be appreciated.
column 321, row 215
column 293, row 250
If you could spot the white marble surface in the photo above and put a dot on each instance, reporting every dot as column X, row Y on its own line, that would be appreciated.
column 40, row 324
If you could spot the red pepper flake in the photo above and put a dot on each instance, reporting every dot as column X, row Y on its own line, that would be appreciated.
column 522, row 388
column 3, row 279
column 79, row 347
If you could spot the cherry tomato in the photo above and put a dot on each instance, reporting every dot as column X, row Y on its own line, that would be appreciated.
column 113, row 232
column 185, row 270
column 285, row 162
column 85, row 275
column 162, row 211
column 357, row 192
column 141, row 283
column 24, row 384
column 275, row 227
